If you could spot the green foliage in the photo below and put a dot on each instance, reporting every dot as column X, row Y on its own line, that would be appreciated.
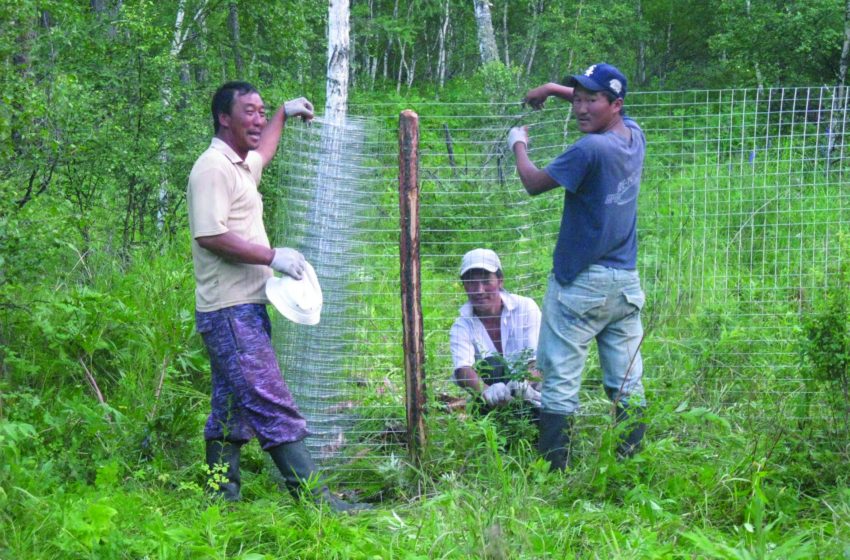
column 825, row 348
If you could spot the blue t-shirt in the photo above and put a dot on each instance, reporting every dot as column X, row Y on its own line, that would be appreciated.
column 601, row 177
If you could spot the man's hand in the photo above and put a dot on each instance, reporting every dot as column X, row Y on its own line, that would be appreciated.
column 536, row 97
column 288, row 261
column 496, row 394
column 299, row 108
column 517, row 134
column 523, row 390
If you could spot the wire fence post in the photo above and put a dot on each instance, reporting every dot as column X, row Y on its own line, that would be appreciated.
column 411, row 287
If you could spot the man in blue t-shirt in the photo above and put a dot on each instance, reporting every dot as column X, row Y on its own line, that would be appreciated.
column 594, row 290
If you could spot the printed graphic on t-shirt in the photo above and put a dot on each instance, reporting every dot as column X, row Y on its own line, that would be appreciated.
column 626, row 190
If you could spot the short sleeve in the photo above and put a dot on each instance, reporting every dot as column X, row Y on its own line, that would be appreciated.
column 570, row 168
column 209, row 200
column 460, row 340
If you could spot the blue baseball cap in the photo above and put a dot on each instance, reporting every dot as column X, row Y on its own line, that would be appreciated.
column 600, row 77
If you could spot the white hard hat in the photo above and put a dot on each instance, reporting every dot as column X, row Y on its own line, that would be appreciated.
column 300, row 301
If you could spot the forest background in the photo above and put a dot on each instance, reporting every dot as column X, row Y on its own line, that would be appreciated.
column 102, row 394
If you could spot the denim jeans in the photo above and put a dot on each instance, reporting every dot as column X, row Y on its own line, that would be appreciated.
column 604, row 304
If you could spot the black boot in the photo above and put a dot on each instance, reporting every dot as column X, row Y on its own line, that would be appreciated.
column 219, row 453
column 630, row 441
column 296, row 465
column 554, row 442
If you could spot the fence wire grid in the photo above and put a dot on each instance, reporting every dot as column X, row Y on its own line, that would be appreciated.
column 741, row 219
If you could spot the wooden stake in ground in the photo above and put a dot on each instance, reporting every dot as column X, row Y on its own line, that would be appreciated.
column 411, row 287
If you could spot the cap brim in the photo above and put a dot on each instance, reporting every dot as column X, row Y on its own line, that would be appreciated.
column 583, row 81
column 300, row 301
column 481, row 266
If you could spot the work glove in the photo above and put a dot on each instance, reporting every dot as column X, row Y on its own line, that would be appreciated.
column 288, row 261
column 517, row 134
column 523, row 390
column 496, row 394
column 299, row 108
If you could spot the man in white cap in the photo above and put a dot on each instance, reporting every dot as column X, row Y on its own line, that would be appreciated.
column 233, row 260
column 494, row 340
column 594, row 290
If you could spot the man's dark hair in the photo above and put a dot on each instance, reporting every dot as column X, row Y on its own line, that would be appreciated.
column 222, row 100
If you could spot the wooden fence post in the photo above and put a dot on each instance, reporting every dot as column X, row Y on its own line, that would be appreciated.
column 411, row 287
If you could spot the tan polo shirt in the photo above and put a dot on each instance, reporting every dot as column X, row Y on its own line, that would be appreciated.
column 222, row 196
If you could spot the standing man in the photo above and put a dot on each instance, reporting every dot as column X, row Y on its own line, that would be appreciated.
column 232, row 260
column 496, row 332
column 594, row 291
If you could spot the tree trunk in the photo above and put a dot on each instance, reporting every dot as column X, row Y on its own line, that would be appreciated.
column 389, row 42
column 641, row 58
column 845, row 50
column 164, row 158
column 21, row 63
column 401, row 64
column 233, row 27
column 336, row 100
column 101, row 10
column 505, row 41
column 370, row 62
column 442, row 36
column 486, row 36
column 575, row 32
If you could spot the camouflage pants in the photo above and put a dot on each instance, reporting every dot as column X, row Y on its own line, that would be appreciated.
column 249, row 396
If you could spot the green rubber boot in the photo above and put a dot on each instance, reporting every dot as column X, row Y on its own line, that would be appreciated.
column 296, row 465
column 554, row 442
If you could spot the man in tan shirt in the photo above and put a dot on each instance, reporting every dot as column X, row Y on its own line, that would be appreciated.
column 232, row 261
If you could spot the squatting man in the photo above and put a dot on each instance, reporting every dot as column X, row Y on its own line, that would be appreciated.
column 494, row 339
column 232, row 261
column 594, row 291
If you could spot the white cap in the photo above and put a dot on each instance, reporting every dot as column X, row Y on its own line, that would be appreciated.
column 480, row 258
column 300, row 301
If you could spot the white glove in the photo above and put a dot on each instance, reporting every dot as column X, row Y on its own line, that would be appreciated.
column 496, row 394
column 523, row 390
column 288, row 261
column 517, row 134
column 298, row 108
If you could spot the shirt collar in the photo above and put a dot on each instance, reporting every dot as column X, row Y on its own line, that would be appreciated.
column 224, row 147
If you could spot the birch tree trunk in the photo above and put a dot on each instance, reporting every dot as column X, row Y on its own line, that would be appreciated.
column 441, row 41
column 177, row 42
column 571, row 53
column 336, row 99
column 486, row 37
column 536, row 9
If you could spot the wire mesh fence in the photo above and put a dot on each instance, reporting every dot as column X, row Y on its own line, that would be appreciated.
column 741, row 221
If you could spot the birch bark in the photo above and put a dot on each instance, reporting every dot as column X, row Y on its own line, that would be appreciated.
column 336, row 99
column 486, row 36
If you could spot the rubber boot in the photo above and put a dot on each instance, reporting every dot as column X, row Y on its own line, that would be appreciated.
column 554, row 442
column 219, row 453
column 630, row 441
column 296, row 465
